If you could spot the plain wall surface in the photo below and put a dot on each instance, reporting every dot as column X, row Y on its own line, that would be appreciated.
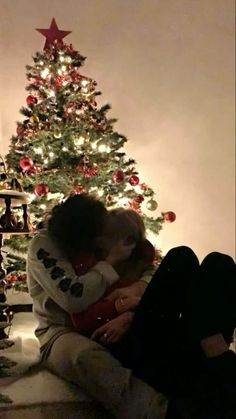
column 167, row 69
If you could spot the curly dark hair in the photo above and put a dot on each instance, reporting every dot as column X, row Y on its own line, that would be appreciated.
column 76, row 223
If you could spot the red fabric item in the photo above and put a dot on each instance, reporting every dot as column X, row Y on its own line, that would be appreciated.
column 86, row 322
column 100, row 312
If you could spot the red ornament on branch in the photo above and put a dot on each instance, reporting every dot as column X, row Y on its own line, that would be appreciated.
column 169, row 216
column 135, row 205
column 134, row 180
column 78, row 189
column 31, row 100
column 118, row 176
column 87, row 171
column 41, row 189
column 139, row 199
column 33, row 170
column 26, row 163
column 90, row 171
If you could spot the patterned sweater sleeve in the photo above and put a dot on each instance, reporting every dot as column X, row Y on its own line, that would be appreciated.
column 49, row 271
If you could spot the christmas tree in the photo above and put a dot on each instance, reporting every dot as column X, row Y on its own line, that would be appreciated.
column 66, row 143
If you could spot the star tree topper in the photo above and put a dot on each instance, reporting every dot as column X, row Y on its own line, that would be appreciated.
column 53, row 34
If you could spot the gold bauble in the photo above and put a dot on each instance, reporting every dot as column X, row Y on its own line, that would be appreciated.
column 33, row 119
column 152, row 205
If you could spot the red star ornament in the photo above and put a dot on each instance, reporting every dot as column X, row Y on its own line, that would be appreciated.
column 53, row 34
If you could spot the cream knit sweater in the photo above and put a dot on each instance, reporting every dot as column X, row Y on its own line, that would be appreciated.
column 57, row 291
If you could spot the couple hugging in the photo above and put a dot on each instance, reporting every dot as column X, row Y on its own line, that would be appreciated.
column 146, row 343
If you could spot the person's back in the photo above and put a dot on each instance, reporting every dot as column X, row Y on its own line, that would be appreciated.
column 51, row 316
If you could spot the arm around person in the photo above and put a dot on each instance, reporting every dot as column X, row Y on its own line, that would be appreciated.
column 52, row 272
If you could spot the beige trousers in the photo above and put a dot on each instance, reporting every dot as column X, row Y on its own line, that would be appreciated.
column 90, row 366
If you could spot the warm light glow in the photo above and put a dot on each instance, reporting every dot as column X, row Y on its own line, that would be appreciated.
column 84, row 83
column 56, row 195
column 68, row 59
column 51, row 93
column 102, row 148
column 79, row 141
column 79, row 111
column 38, row 150
column 51, row 154
column 122, row 201
column 100, row 192
column 31, row 197
column 45, row 73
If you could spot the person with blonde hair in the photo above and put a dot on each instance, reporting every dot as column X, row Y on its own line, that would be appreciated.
column 134, row 274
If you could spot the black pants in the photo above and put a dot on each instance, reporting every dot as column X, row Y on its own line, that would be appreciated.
column 184, row 302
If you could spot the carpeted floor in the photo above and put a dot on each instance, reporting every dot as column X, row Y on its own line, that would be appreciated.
column 57, row 411
column 34, row 392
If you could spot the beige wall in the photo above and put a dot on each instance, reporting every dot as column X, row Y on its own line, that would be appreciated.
column 167, row 68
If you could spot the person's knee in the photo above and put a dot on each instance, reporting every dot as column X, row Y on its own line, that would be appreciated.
column 221, row 265
column 183, row 253
column 218, row 258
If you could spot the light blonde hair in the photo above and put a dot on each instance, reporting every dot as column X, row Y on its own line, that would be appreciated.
column 125, row 223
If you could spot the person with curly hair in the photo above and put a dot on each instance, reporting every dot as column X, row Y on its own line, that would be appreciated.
column 76, row 227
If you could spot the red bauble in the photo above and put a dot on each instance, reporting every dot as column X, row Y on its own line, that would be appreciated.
column 134, row 180
column 118, row 176
column 31, row 171
column 26, row 163
column 41, row 189
column 139, row 199
column 11, row 278
column 78, row 189
column 31, row 100
column 169, row 216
